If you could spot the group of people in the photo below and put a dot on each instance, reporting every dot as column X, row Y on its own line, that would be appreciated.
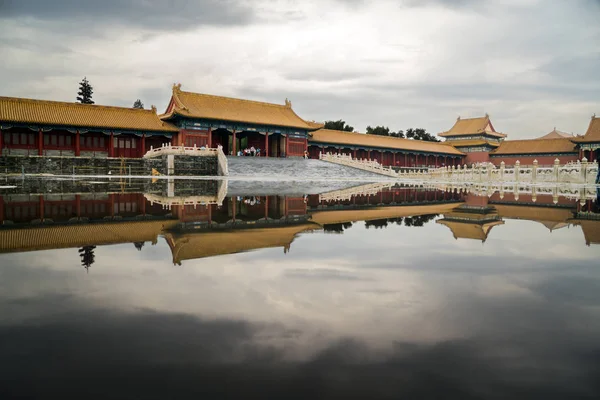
column 249, row 152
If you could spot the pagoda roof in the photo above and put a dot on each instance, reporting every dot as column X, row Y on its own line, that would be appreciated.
column 471, row 143
column 219, row 108
column 469, row 230
column 472, row 126
column 331, row 136
column 555, row 134
column 535, row 146
column 56, row 113
column 593, row 132
column 190, row 246
column 591, row 230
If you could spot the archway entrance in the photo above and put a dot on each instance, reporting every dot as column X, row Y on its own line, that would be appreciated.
column 222, row 137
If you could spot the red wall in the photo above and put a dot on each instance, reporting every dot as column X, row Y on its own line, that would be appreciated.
column 476, row 157
column 528, row 160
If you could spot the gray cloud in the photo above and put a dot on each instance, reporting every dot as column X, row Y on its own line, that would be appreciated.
column 149, row 14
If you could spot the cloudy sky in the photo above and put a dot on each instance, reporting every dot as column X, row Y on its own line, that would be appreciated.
column 531, row 64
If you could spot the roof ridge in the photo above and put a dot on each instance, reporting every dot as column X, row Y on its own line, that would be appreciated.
column 237, row 99
column 24, row 99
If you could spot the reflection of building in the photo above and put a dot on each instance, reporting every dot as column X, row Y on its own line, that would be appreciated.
column 243, row 223
column 472, row 220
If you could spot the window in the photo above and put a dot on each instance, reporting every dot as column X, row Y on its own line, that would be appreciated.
column 46, row 140
column 54, row 140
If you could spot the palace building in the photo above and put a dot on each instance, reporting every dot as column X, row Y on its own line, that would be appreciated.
column 53, row 128
column 235, row 124
column 388, row 151
column 474, row 136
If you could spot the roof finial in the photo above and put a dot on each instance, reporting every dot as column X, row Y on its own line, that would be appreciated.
column 177, row 86
column 487, row 115
column 288, row 103
column 458, row 119
column 153, row 108
column 594, row 116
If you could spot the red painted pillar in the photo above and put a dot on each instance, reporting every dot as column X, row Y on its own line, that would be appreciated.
column 143, row 150
column 111, row 144
column 78, row 205
column 1, row 209
column 77, row 146
column 405, row 160
column 394, row 158
column 1, row 138
column 233, row 207
column 369, row 155
column 266, row 207
column 40, row 142
column 266, row 144
column 287, row 147
column 354, row 153
column 209, row 138
column 234, row 143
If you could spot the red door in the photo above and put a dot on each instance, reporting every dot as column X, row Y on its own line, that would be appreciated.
column 126, row 147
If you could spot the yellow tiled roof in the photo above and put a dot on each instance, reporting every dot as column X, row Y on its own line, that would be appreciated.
column 197, row 105
column 557, row 135
column 190, row 246
column 536, row 146
column 77, row 235
column 471, row 143
column 593, row 132
column 591, row 230
column 467, row 230
column 383, row 142
column 29, row 111
column 472, row 126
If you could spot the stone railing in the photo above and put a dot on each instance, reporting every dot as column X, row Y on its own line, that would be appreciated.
column 581, row 172
column 366, row 165
column 167, row 149
column 347, row 194
column 581, row 193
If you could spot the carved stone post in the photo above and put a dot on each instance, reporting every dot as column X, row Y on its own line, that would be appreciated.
column 556, row 169
column 502, row 166
column 584, row 165
column 517, row 168
column 534, row 171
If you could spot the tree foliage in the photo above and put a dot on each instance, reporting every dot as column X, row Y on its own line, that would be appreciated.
column 384, row 131
column 339, row 125
column 84, row 96
column 87, row 256
column 420, row 134
column 138, row 104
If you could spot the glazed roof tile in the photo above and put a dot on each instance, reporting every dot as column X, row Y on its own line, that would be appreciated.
column 361, row 139
column 206, row 106
column 536, row 146
column 472, row 126
column 56, row 113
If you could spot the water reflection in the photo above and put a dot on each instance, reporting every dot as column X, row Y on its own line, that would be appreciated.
column 408, row 303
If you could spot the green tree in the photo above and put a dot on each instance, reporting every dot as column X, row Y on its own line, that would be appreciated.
column 339, row 125
column 138, row 104
column 87, row 256
column 384, row 131
column 420, row 134
column 84, row 96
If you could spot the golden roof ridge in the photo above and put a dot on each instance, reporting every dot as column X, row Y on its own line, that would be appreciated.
column 40, row 101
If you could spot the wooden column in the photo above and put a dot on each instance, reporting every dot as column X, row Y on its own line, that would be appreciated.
column 266, row 144
column 77, row 145
column 1, row 139
column 266, row 207
column 1, row 208
column 287, row 145
column 369, row 155
column 143, row 146
column 40, row 142
column 405, row 160
column 233, row 207
column 394, row 158
column 354, row 153
column 209, row 145
column 234, row 143
column 111, row 144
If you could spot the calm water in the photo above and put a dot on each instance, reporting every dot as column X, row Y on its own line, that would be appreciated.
column 208, row 289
